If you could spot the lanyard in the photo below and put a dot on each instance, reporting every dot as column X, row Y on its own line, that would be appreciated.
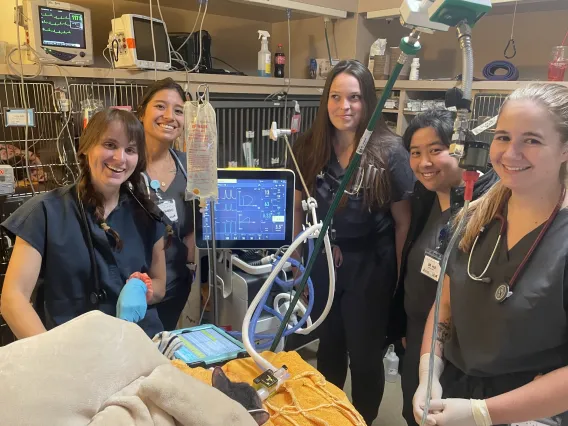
column 146, row 178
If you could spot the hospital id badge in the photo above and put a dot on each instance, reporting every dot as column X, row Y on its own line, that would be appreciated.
column 169, row 209
column 431, row 265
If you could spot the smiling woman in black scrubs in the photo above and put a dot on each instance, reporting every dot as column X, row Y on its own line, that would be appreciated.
column 437, row 196
column 503, row 319
column 122, row 236
column 161, row 112
column 367, row 231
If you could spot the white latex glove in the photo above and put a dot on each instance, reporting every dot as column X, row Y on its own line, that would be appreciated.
column 460, row 412
column 419, row 400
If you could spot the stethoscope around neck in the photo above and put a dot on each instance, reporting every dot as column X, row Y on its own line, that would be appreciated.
column 503, row 291
column 97, row 293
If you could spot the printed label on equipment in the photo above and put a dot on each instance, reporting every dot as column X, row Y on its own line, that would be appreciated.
column 249, row 134
column 489, row 123
column 169, row 209
column 17, row 117
column 431, row 266
column 266, row 133
column 532, row 423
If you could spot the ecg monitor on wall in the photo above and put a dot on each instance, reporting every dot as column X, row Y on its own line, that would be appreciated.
column 255, row 210
column 130, row 43
column 60, row 33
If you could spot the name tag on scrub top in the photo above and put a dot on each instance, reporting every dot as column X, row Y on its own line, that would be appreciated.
column 431, row 265
column 169, row 209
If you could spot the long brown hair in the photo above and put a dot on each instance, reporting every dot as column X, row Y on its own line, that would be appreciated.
column 554, row 98
column 313, row 149
column 91, row 137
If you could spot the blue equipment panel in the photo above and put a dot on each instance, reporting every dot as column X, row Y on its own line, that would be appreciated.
column 248, row 209
column 207, row 345
column 255, row 209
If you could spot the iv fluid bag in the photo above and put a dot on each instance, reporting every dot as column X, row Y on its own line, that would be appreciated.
column 200, row 140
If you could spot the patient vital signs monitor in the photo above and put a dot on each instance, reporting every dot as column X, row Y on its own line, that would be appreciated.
column 255, row 210
column 60, row 33
column 131, row 44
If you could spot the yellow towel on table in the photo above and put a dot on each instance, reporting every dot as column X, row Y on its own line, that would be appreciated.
column 306, row 398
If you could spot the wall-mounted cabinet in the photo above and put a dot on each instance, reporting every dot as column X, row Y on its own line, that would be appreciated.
column 270, row 11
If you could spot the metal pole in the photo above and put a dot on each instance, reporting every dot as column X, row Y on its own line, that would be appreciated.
column 213, row 265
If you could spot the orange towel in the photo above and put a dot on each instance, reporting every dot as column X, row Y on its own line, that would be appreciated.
column 304, row 399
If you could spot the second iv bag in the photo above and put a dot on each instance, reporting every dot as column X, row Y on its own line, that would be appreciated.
column 201, row 148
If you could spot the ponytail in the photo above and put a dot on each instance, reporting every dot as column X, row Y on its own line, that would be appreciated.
column 480, row 213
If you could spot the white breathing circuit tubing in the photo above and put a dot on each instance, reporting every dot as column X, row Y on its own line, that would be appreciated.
column 311, row 232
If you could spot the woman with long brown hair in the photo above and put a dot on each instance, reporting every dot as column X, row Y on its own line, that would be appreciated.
column 368, row 230
column 502, row 347
column 96, row 244
column 165, row 177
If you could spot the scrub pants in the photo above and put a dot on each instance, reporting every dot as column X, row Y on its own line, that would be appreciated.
column 356, row 325
column 456, row 384
column 170, row 310
column 411, row 362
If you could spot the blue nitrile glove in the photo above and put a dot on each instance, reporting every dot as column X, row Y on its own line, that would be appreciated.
column 131, row 305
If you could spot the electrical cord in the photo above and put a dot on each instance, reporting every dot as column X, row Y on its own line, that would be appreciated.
column 24, row 101
column 286, row 115
column 66, row 126
column 192, row 30
column 327, row 40
column 226, row 63
column 113, row 51
column 153, row 42
column 177, row 56
column 210, row 285
column 196, row 67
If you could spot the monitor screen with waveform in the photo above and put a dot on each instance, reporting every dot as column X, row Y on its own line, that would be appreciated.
column 62, row 28
column 255, row 210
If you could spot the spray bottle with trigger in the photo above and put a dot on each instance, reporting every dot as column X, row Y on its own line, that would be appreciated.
column 264, row 55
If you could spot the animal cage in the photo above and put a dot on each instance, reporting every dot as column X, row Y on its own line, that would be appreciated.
column 485, row 107
column 236, row 115
column 40, row 159
column 250, row 121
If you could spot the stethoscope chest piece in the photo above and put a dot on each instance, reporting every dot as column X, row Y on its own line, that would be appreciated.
column 502, row 293
column 95, row 298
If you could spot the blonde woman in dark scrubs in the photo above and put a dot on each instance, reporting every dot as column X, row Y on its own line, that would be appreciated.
column 502, row 352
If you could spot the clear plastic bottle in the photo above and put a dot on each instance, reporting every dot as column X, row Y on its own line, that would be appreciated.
column 391, row 365
column 414, row 69
column 264, row 55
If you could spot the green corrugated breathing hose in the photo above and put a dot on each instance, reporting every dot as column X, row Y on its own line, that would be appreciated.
column 408, row 46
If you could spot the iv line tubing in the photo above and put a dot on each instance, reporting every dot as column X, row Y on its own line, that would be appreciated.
column 443, row 267
column 354, row 163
